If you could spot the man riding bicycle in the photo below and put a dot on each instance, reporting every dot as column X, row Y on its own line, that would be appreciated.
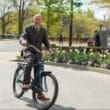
column 35, row 35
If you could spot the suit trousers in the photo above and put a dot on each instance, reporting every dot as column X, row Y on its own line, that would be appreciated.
column 38, row 68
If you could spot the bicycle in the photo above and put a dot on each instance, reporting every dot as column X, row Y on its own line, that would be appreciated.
column 49, row 90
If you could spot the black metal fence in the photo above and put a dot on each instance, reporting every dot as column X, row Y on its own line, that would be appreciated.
column 8, row 36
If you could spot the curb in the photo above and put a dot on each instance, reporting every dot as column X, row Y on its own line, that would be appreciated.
column 88, row 68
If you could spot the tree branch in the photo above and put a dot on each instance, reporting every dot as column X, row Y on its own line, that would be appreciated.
column 15, row 4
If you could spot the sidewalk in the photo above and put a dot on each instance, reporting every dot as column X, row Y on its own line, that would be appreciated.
column 9, row 41
column 7, row 56
column 15, row 41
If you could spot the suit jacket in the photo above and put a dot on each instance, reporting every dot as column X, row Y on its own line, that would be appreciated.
column 35, row 37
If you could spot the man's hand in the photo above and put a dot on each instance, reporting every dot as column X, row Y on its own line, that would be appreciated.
column 47, row 52
column 24, row 43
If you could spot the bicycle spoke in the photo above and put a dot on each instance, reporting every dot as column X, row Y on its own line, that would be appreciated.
column 44, row 84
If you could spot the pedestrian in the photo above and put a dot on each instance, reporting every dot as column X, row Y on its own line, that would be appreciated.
column 97, row 38
column 61, row 40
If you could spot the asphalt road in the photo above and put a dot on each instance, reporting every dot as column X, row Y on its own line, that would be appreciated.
column 78, row 89
column 9, row 46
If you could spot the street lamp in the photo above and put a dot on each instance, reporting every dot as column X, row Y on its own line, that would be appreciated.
column 77, row 4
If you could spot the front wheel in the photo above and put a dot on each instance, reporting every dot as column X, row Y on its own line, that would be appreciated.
column 18, row 82
column 50, row 90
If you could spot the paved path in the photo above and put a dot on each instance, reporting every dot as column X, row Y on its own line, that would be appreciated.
column 78, row 89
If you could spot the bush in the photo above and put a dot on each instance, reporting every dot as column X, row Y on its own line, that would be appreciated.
column 80, row 56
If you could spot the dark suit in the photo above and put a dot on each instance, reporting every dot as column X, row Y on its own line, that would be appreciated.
column 36, row 38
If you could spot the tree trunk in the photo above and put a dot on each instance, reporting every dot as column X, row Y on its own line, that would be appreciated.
column 48, row 17
column 21, row 17
column 19, row 20
column 3, row 26
column 20, row 25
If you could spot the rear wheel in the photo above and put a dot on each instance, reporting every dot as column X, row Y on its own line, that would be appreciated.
column 50, row 90
column 18, row 82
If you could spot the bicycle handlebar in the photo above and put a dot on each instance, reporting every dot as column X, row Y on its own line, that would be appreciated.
column 36, row 49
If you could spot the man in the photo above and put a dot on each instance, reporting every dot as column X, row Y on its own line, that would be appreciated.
column 35, row 35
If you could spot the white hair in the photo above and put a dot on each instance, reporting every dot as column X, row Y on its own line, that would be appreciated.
column 37, row 15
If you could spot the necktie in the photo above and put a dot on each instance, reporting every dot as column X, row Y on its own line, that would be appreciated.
column 37, row 28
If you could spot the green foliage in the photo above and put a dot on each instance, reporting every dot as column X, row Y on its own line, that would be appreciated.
column 80, row 56
column 19, row 59
column 84, row 22
column 102, row 3
column 55, row 29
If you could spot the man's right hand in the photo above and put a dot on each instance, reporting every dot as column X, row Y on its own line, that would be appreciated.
column 24, row 43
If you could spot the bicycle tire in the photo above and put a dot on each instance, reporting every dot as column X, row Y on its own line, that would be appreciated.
column 49, row 74
column 14, row 84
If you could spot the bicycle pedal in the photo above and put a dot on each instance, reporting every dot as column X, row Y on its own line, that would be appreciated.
column 36, row 89
column 25, row 89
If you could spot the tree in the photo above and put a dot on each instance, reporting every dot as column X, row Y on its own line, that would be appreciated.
column 85, row 23
column 102, row 3
column 22, row 7
column 12, row 28
column 52, row 7
column 6, row 14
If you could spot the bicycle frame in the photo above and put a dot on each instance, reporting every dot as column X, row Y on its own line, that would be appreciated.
column 23, row 65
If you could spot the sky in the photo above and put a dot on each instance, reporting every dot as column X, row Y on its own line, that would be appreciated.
column 98, row 12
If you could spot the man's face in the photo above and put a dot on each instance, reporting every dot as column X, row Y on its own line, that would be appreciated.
column 38, row 20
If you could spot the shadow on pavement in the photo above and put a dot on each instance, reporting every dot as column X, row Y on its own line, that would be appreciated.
column 29, row 101
column 59, row 107
column 55, row 107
